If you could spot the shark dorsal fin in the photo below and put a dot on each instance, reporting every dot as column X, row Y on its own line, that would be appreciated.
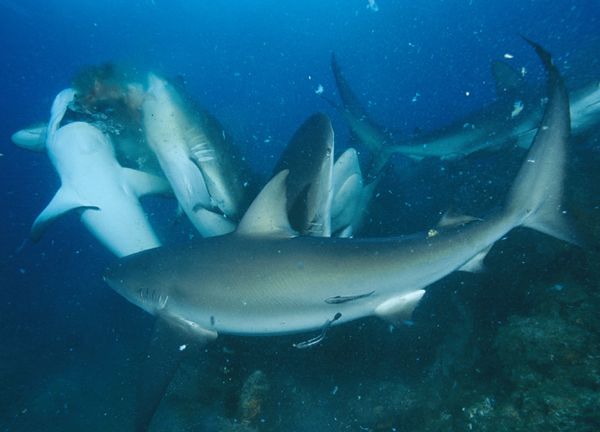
column 267, row 214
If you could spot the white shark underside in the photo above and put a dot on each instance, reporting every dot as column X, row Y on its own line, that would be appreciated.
column 93, row 183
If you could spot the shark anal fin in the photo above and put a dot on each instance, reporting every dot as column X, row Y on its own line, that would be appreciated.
column 143, row 183
column 399, row 308
column 63, row 201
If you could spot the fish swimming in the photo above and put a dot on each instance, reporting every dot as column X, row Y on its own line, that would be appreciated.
column 511, row 119
column 200, row 170
column 264, row 280
column 351, row 196
column 309, row 159
column 93, row 183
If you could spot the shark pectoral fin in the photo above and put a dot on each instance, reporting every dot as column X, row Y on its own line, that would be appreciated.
column 65, row 200
column 190, row 328
column 166, row 349
column 267, row 214
column 143, row 183
column 475, row 264
column 32, row 138
column 213, row 223
column 400, row 308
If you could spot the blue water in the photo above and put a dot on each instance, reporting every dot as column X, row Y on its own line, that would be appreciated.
column 68, row 344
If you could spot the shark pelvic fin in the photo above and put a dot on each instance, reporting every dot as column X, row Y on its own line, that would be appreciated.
column 63, row 201
column 143, row 183
column 267, row 214
column 399, row 308
column 475, row 264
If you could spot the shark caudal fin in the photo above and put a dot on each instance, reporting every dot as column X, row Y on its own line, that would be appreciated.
column 535, row 199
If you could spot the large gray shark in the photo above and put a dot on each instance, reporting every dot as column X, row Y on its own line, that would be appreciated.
column 264, row 280
column 93, row 182
column 196, row 158
column 309, row 159
column 323, row 198
column 351, row 195
column 511, row 119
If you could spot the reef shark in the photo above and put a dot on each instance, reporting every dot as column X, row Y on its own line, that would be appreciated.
column 93, row 183
column 351, row 195
column 196, row 158
column 264, row 280
column 511, row 119
column 309, row 159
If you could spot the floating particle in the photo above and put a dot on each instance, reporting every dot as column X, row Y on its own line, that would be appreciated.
column 319, row 89
column 508, row 56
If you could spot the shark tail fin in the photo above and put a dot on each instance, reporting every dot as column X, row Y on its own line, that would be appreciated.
column 535, row 199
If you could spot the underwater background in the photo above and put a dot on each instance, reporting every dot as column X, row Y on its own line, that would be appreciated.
column 514, row 348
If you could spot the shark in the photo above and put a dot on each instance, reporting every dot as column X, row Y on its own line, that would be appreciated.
column 264, row 280
column 518, row 114
column 196, row 158
column 94, row 184
column 351, row 195
column 308, row 157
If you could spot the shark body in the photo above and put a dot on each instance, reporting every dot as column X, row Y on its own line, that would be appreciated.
column 93, row 183
column 195, row 158
column 309, row 159
column 262, row 280
column 511, row 119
